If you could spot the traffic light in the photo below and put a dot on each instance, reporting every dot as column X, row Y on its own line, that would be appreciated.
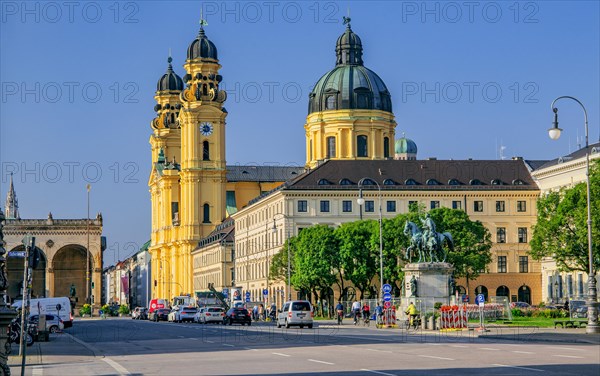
column 34, row 258
column 92, row 285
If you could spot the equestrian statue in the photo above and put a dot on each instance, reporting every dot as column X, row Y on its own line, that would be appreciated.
column 428, row 244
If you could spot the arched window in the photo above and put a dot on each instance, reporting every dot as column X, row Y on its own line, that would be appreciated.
column 324, row 182
column 503, row 291
column 205, row 151
column 330, row 147
column 206, row 210
column 389, row 182
column 368, row 182
column 475, row 182
column 454, row 182
column 525, row 294
column 330, row 105
column 361, row 146
column 345, row 181
column 482, row 290
column 410, row 182
column 386, row 147
column 432, row 182
column 497, row 182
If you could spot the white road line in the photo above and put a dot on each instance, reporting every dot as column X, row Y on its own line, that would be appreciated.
column 461, row 346
column 228, row 345
column 180, row 337
column 386, row 351
column 320, row 361
column 566, row 348
column 523, row 352
column 194, row 339
column 517, row 367
column 280, row 354
column 37, row 371
column 117, row 367
column 488, row 348
column 569, row 356
column 250, row 348
column 207, row 341
column 378, row 372
column 435, row 357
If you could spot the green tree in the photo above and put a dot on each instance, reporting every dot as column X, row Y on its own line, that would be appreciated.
column 472, row 242
column 561, row 228
column 278, row 270
column 357, row 257
column 394, row 246
column 314, row 257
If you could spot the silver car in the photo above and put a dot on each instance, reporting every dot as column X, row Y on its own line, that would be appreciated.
column 295, row 313
column 54, row 324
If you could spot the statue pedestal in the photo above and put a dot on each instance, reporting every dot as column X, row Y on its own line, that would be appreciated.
column 432, row 282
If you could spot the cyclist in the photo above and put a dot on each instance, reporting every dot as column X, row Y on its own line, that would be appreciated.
column 366, row 311
column 340, row 312
column 356, row 311
column 379, row 313
column 411, row 311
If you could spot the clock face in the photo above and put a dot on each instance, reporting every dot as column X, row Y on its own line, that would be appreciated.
column 206, row 128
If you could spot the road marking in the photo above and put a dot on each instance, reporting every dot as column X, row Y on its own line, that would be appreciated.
column 387, row 351
column 569, row 356
column 194, row 339
column 280, row 354
column 435, row 357
column 488, row 348
column 378, row 372
column 119, row 368
column 250, row 348
column 180, row 337
column 37, row 371
column 207, row 341
column 458, row 346
column 517, row 367
column 566, row 348
column 320, row 361
column 227, row 344
column 523, row 352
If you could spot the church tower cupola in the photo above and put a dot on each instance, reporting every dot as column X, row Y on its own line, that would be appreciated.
column 170, row 81
column 202, row 48
column 11, row 206
column 348, row 47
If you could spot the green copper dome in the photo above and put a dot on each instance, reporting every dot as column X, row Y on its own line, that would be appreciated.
column 405, row 146
column 170, row 81
column 350, row 85
column 202, row 47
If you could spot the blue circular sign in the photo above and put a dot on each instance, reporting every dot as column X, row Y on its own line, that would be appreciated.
column 387, row 288
column 387, row 297
column 247, row 294
column 265, row 292
column 247, row 299
column 480, row 299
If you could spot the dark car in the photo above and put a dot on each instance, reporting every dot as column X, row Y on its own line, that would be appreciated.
column 161, row 314
column 237, row 315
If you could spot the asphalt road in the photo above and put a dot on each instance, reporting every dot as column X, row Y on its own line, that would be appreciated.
column 131, row 347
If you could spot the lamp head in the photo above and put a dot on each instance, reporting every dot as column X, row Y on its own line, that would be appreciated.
column 554, row 132
column 360, row 200
column 274, row 228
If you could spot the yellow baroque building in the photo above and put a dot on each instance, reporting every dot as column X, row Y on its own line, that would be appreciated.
column 221, row 225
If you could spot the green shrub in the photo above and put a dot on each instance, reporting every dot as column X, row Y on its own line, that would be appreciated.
column 124, row 309
column 516, row 312
column 437, row 305
column 542, row 305
column 85, row 310
column 106, row 308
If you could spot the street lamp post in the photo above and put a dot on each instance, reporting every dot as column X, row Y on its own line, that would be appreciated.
column 289, row 280
column 554, row 133
column 361, row 202
column 87, row 261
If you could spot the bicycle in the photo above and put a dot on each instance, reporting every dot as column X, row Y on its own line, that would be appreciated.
column 340, row 316
column 356, row 317
column 367, row 319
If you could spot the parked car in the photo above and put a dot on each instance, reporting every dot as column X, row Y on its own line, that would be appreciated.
column 161, row 314
column 296, row 312
column 54, row 324
column 520, row 305
column 182, row 314
column 237, row 315
column 198, row 315
column 212, row 314
column 140, row 313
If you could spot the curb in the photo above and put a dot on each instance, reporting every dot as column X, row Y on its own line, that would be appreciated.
column 93, row 349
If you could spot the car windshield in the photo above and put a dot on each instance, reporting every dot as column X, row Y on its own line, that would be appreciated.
column 300, row 306
column 215, row 310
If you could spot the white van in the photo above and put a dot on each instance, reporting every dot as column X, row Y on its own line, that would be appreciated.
column 297, row 313
column 49, row 306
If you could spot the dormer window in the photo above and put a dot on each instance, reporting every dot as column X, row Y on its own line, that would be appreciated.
column 475, row 182
column 497, row 182
column 411, row 182
column 432, row 182
column 330, row 102
column 324, row 182
column 518, row 182
column 345, row 181
column 389, row 182
column 368, row 182
column 454, row 182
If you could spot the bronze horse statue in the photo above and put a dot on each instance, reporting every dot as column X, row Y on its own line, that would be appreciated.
column 436, row 253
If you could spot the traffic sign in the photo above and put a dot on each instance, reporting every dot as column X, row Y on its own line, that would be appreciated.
column 387, row 288
column 387, row 304
column 387, row 297
column 247, row 299
column 248, row 294
column 480, row 299
column 225, row 293
column 265, row 292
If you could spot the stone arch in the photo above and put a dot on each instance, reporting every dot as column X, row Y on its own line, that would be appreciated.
column 525, row 294
column 14, row 271
column 503, row 291
column 68, row 265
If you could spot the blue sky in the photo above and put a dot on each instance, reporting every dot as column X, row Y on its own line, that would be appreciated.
column 78, row 81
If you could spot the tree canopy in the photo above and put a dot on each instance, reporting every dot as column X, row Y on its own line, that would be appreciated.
column 561, row 229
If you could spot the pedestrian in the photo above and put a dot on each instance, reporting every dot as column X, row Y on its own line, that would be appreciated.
column 261, row 312
column 255, row 312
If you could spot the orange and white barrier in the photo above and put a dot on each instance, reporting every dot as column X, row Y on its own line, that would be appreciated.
column 453, row 317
